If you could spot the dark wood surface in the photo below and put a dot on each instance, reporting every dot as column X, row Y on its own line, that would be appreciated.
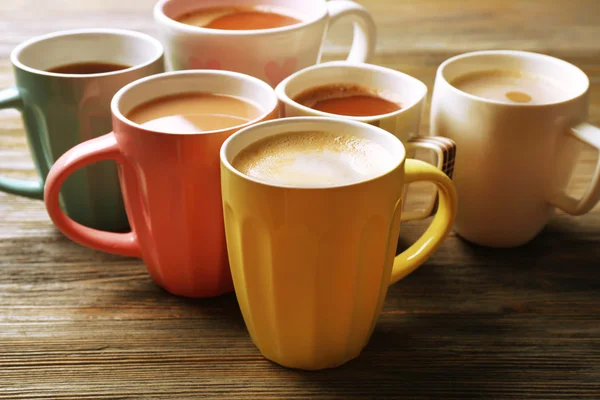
column 471, row 323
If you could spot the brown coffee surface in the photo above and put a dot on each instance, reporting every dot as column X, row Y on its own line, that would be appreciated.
column 313, row 159
column 86, row 68
column 194, row 112
column 346, row 99
column 237, row 18
column 510, row 86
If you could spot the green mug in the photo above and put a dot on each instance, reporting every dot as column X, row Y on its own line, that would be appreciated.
column 61, row 110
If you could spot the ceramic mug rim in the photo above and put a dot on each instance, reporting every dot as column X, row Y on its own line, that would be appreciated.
column 161, row 17
column 398, row 153
column 440, row 74
column 283, row 96
column 115, row 105
column 16, row 53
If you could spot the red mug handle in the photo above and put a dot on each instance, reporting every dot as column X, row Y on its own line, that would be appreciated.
column 98, row 149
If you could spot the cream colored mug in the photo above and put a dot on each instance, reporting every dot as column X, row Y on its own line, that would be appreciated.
column 516, row 159
column 404, row 123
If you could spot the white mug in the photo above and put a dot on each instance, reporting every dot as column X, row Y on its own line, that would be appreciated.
column 404, row 123
column 516, row 159
column 268, row 54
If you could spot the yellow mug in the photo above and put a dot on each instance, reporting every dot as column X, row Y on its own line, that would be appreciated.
column 311, row 266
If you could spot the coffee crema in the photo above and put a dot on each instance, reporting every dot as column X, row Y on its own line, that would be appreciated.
column 194, row 112
column 313, row 159
column 510, row 86
column 346, row 99
column 86, row 68
column 238, row 18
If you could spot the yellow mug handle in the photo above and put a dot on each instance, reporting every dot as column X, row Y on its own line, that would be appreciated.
column 412, row 258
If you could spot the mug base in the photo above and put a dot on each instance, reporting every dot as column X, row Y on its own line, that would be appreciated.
column 496, row 242
column 310, row 366
column 196, row 294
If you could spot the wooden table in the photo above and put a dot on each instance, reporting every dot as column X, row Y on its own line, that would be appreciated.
column 471, row 323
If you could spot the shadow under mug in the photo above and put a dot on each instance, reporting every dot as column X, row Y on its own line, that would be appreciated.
column 170, row 183
column 311, row 265
column 268, row 54
column 61, row 110
column 516, row 158
column 404, row 123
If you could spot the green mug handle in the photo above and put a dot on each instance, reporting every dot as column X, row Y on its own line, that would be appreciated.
column 10, row 98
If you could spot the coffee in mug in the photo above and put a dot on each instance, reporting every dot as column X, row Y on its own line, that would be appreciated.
column 312, row 211
column 269, row 40
column 347, row 99
column 194, row 112
column 240, row 18
column 88, row 68
column 170, row 178
column 313, row 159
column 519, row 120
column 64, row 84
column 378, row 96
column 510, row 86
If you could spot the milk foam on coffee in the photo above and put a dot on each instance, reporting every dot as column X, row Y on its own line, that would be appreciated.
column 314, row 159
column 510, row 86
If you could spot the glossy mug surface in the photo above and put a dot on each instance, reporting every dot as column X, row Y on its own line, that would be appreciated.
column 311, row 263
column 393, row 86
column 62, row 109
column 170, row 183
column 517, row 153
column 269, row 54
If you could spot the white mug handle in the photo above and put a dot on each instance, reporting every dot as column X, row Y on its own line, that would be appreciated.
column 590, row 135
column 365, row 32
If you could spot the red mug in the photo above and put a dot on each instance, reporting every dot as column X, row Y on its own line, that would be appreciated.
column 170, row 184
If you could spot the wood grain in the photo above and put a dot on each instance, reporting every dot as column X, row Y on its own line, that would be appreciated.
column 472, row 323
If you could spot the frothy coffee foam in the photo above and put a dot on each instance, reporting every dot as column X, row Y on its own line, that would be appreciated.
column 307, row 159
